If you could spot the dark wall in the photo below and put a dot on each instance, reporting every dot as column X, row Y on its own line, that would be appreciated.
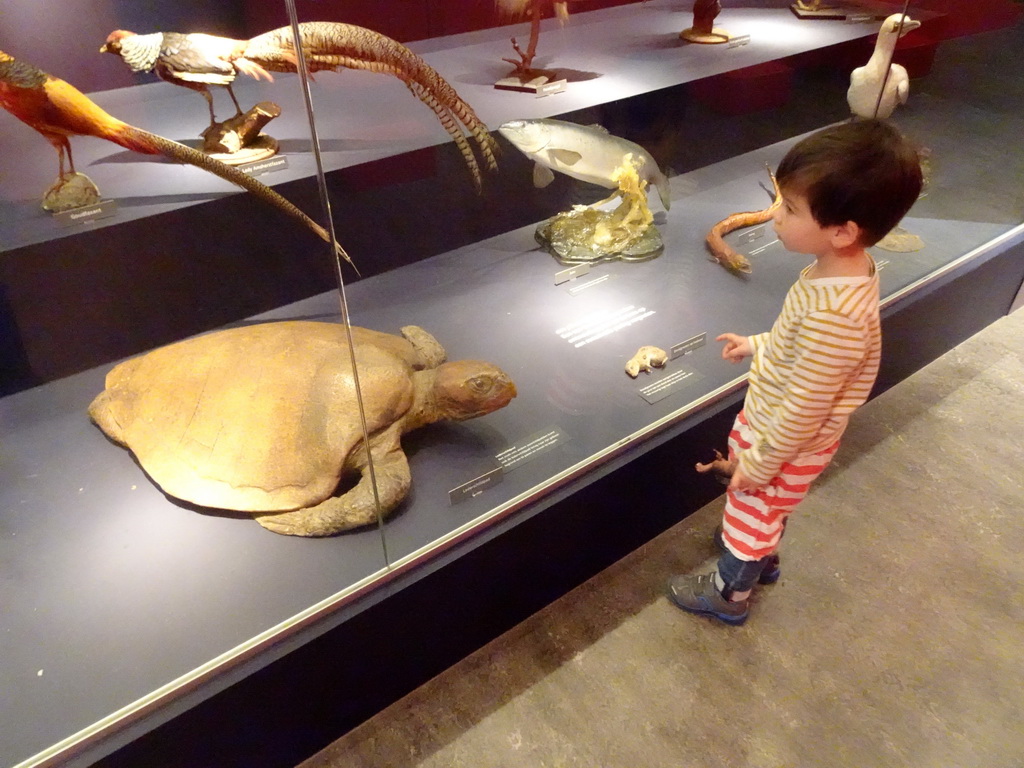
column 404, row 20
column 63, row 37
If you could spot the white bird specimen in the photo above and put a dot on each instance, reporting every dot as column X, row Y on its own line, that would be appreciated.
column 880, row 75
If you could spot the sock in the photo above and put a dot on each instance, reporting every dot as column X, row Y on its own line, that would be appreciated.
column 732, row 596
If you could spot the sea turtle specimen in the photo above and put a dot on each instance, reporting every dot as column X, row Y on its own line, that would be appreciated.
column 264, row 418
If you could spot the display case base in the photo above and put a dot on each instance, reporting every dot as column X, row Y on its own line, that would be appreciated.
column 291, row 709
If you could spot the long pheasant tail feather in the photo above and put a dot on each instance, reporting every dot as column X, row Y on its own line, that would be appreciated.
column 330, row 45
column 448, row 122
column 151, row 143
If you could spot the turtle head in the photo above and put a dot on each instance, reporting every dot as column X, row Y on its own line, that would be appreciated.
column 465, row 389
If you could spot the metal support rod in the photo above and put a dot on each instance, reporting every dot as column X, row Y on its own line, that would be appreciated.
column 300, row 53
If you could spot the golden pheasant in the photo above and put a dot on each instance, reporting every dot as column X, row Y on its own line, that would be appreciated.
column 58, row 110
column 197, row 60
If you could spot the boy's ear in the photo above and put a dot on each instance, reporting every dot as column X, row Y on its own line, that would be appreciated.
column 846, row 235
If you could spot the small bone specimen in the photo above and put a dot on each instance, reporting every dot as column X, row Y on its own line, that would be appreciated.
column 645, row 359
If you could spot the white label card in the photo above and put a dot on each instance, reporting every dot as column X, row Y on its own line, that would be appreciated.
column 667, row 385
column 475, row 487
column 548, row 89
column 85, row 214
column 696, row 342
column 571, row 273
column 275, row 163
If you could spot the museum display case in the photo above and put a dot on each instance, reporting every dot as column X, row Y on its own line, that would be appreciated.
column 125, row 607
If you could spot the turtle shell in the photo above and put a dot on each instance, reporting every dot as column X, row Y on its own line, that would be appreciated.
column 257, row 418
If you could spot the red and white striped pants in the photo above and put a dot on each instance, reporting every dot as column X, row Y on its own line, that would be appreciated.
column 752, row 523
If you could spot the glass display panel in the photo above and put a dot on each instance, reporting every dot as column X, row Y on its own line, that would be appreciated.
column 98, row 566
column 123, row 584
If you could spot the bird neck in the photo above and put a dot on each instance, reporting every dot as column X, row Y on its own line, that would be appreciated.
column 19, row 75
column 885, row 46
column 140, row 52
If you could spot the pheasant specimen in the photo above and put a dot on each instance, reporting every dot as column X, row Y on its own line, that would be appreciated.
column 192, row 60
column 58, row 110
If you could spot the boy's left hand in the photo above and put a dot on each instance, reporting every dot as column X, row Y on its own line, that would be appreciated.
column 740, row 482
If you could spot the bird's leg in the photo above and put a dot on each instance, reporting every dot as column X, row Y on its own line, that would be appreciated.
column 71, row 160
column 231, row 93
column 63, row 147
column 209, row 103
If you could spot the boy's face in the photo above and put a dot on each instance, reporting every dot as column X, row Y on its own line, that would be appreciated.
column 796, row 227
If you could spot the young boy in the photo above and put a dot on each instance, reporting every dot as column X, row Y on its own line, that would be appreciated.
column 843, row 189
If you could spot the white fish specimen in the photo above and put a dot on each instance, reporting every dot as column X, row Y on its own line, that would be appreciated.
column 585, row 152
column 867, row 81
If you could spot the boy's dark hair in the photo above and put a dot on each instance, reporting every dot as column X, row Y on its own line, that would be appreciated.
column 863, row 171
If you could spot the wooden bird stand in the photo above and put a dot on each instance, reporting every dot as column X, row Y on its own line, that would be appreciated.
column 239, row 139
column 703, row 30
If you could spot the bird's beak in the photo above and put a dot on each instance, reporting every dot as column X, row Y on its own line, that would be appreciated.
column 909, row 25
column 104, row 48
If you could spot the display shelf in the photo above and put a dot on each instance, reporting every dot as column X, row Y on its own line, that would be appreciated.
column 612, row 54
column 99, row 568
column 186, row 253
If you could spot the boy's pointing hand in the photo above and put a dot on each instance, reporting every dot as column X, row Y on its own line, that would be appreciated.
column 736, row 347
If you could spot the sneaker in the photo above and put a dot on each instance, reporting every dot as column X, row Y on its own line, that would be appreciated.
column 771, row 571
column 697, row 593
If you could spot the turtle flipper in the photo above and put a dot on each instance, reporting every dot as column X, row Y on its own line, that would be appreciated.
column 111, row 409
column 429, row 348
column 357, row 507
column 102, row 411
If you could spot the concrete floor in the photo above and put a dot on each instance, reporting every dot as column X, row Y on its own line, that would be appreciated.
column 894, row 638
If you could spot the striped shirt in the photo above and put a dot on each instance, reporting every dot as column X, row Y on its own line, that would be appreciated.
column 811, row 370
